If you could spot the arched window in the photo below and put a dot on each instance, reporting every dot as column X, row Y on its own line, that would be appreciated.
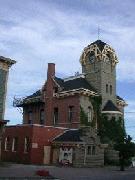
column 42, row 116
column 110, row 89
column 89, row 114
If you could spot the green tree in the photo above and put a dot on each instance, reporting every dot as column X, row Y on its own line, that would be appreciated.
column 126, row 150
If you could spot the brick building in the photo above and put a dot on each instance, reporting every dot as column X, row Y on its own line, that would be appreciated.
column 59, row 120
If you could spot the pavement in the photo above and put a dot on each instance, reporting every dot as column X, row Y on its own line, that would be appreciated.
column 20, row 171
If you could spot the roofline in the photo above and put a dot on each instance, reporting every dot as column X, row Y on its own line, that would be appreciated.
column 56, row 82
column 112, row 112
column 122, row 102
column 36, row 125
column 59, row 94
column 7, row 60
column 74, row 77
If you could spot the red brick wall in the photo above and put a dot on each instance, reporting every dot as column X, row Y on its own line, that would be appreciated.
column 21, row 132
column 62, row 104
column 42, row 136
column 37, row 134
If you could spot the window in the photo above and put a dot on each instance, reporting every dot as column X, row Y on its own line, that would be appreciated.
column 110, row 89
column 26, row 144
column 15, row 144
column 42, row 116
column 30, row 117
column 89, row 114
column 70, row 113
column 55, row 118
column 91, row 150
column 7, row 144
column 106, row 88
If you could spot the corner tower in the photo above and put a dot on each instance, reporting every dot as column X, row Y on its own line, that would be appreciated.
column 5, row 64
column 98, row 62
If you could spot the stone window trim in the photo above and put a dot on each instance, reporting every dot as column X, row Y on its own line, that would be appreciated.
column 14, row 144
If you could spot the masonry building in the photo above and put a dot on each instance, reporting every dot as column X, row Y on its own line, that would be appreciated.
column 60, row 124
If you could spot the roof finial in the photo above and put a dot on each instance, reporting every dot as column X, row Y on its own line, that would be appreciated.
column 98, row 32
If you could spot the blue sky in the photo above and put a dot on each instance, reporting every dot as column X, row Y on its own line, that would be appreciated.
column 36, row 32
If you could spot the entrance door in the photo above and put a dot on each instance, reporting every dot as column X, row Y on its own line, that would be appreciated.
column 65, row 156
column 47, row 151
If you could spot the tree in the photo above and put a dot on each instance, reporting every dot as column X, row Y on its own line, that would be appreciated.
column 117, row 137
column 126, row 150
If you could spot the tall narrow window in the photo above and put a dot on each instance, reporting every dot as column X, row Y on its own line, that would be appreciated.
column 89, row 114
column 15, row 144
column 26, row 144
column 30, row 117
column 70, row 113
column 7, row 144
column 106, row 88
column 55, row 117
column 42, row 116
column 110, row 89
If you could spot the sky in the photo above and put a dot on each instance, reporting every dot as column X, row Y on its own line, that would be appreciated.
column 36, row 32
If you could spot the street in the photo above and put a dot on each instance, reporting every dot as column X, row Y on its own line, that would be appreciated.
column 67, row 173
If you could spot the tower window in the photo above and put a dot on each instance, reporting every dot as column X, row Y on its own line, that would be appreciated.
column 70, row 113
column 30, row 117
column 106, row 88
column 110, row 89
column 42, row 116
column 55, row 117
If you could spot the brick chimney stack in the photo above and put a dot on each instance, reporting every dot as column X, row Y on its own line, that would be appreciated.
column 51, row 70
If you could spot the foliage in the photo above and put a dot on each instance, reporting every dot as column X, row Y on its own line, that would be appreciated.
column 126, row 150
column 111, row 130
column 83, row 117
column 96, row 103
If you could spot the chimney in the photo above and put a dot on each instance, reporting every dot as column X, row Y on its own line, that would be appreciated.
column 51, row 70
